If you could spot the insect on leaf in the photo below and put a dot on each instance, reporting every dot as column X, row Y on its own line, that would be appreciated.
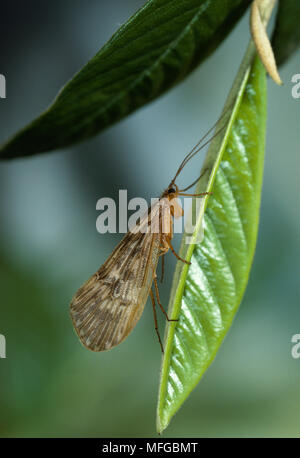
column 206, row 295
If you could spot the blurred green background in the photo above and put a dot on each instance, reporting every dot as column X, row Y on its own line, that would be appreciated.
column 49, row 384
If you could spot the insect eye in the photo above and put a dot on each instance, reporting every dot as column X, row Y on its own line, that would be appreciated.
column 171, row 191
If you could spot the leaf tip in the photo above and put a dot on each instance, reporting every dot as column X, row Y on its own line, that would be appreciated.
column 259, row 12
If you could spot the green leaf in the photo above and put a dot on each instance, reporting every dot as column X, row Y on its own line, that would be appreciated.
column 154, row 50
column 206, row 295
column 286, row 37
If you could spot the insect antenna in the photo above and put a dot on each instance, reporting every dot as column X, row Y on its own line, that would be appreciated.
column 194, row 182
column 193, row 152
column 200, row 145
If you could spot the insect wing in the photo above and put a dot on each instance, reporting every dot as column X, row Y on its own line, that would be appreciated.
column 107, row 307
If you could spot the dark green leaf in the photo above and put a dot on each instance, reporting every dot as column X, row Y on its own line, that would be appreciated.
column 206, row 295
column 154, row 50
column 286, row 37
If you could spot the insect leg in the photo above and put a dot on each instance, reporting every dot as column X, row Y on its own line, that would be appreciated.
column 155, row 320
column 195, row 195
column 162, row 269
column 158, row 300
column 168, row 242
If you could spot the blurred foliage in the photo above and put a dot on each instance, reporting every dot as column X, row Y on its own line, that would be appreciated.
column 35, row 338
column 286, row 36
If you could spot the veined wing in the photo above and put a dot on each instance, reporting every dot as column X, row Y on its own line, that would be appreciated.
column 107, row 307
